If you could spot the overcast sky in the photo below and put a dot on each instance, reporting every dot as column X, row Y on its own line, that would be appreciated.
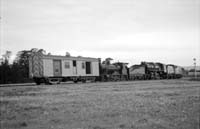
column 126, row 30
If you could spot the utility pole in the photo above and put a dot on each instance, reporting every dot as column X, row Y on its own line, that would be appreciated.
column 195, row 68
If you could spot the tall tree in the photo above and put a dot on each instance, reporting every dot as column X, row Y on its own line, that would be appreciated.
column 22, row 60
column 5, row 69
column 18, row 72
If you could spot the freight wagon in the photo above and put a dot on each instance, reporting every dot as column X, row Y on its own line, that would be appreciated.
column 55, row 69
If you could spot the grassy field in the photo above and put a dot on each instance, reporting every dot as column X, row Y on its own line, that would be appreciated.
column 158, row 104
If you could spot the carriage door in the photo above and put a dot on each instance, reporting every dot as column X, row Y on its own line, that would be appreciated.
column 74, row 67
column 88, row 68
column 57, row 71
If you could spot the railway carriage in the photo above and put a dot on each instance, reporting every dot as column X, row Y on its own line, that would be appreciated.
column 55, row 69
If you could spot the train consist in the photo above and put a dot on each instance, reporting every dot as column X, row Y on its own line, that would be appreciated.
column 52, row 69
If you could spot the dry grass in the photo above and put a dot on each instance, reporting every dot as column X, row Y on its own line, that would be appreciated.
column 160, row 104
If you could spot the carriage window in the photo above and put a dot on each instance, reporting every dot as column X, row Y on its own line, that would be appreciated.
column 74, row 63
column 67, row 65
column 83, row 65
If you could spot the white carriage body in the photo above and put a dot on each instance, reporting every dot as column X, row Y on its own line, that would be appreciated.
column 62, row 66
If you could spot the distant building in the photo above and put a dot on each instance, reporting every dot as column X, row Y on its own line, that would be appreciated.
column 191, row 72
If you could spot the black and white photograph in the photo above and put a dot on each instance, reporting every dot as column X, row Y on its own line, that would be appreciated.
column 99, row 64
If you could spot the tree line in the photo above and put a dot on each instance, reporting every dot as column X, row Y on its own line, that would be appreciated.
column 18, row 70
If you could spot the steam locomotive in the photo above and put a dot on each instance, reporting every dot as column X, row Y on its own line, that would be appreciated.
column 143, row 71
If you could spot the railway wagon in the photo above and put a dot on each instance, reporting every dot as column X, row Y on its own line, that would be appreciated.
column 174, row 71
column 179, row 72
column 171, row 71
column 55, row 69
